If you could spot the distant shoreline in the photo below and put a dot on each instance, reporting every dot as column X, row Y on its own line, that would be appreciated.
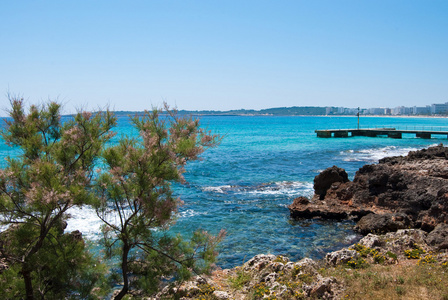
column 329, row 116
column 224, row 114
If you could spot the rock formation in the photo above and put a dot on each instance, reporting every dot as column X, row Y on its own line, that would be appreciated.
column 266, row 276
column 398, row 192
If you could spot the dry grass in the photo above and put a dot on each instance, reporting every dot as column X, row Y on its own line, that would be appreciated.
column 406, row 280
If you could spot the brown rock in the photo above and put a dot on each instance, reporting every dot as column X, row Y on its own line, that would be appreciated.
column 326, row 178
column 400, row 192
column 438, row 238
column 381, row 223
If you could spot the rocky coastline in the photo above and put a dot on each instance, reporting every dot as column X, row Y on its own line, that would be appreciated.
column 397, row 193
column 276, row 277
column 399, row 204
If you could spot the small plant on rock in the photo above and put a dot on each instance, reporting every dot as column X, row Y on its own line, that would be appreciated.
column 359, row 263
column 281, row 259
column 260, row 290
column 240, row 279
column 392, row 255
column 414, row 253
column 427, row 259
column 362, row 250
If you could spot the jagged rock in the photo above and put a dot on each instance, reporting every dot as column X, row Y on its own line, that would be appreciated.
column 399, row 192
column 381, row 223
column 271, row 274
column 416, row 234
column 270, row 279
column 281, row 292
column 323, row 288
column 306, row 265
column 371, row 241
column 327, row 210
column 326, row 178
column 259, row 262
column 220, row 295
column 393, row 242
column 76, row 236
column 405, row 239
column 340, row 256
column 438, row 238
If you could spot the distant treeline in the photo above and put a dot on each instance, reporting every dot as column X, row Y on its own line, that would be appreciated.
column 279, row 111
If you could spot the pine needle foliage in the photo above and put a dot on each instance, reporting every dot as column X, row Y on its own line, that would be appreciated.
column 59, row 165
column 137, row 206
column 52, row 172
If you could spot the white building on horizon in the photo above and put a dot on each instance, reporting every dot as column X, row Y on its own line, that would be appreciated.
column 421, row 110
column 401, row 110
column 437, row 109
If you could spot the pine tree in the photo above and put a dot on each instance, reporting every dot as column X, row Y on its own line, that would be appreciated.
column 53, row 171
column 59, row 165
column 137, row 205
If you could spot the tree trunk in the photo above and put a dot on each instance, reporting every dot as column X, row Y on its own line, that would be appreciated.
column 124, row 270
column 26, row 269
column 26, row 273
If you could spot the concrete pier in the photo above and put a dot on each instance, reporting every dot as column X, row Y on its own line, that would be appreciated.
column 374, row 132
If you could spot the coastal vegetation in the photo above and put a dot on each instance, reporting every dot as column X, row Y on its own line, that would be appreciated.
column 60, row 165
column 399, row 265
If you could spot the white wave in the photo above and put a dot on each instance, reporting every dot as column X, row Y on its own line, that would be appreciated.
column 3, row 227
column 350, row 238
column 283, row 188
column 190, row 213
column 276, row 188
column 217, row 189
column 375, row 154
column 86, row 221
column 83, row 219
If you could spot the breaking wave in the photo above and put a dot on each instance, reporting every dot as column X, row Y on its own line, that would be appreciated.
column 277, row 188
column 374, row 155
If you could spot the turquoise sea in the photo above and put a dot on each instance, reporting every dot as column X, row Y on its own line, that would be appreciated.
column 245, row 185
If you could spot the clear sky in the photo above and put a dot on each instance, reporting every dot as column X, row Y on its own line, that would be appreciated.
column 224, row 54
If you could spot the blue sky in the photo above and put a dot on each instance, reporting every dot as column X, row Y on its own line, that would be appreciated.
column 223, row 55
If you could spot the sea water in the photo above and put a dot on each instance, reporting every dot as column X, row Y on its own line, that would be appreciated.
column 263, row 162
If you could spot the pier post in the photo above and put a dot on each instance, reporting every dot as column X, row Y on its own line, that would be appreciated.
column 394, row 135
column 423, row 135
column 357, row 132
column 371, row 133
column 323, row 133
column 341, row 134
